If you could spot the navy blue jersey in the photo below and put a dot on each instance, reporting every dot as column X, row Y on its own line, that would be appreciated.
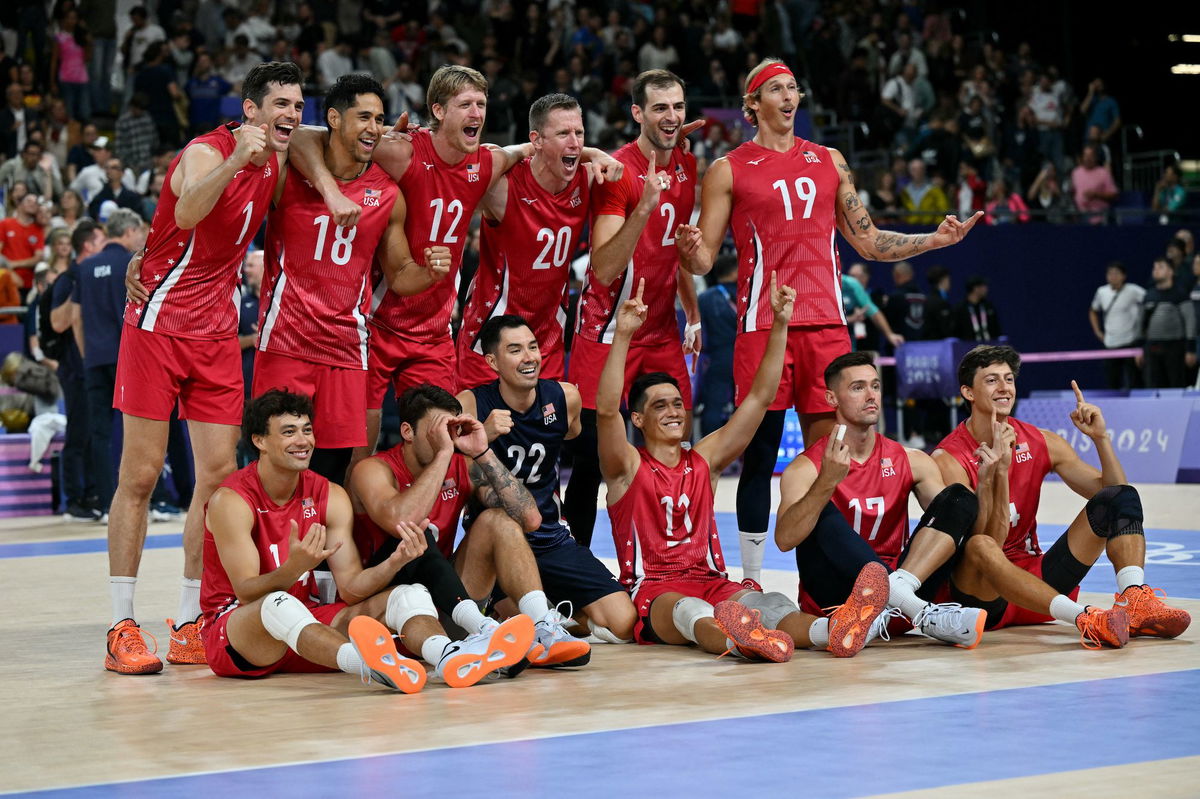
column 530, row 451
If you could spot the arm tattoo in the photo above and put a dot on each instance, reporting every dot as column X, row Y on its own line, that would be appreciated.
column 844, row 167
column 499, row 489
column 851, row 200
column 900, row 245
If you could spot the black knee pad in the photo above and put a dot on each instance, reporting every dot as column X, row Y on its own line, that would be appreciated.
column 953, row 512
column 1114, row 511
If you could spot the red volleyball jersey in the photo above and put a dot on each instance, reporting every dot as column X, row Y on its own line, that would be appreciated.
column 524, row 261
column 654, row 258
column 784, row 220
column 443, row 517
column 272, row 533
column 192, row 275
column 1030, row 465
column 441, row 198
column 316, row 293
column 664, row 527
column 873, row 496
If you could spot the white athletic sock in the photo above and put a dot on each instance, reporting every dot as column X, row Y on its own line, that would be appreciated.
column 1130, row 575
column 534, row 605
column 818, row 633
column 752, row 545
column 120, row 590
column 903, row 593
column 466, row 614
column 189, row 601
column 433, row 648
column 734, row 652
column 348, row 659
column 1065, row 609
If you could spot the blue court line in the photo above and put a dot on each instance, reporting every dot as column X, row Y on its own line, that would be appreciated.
column 82, row 546
column 836, row 752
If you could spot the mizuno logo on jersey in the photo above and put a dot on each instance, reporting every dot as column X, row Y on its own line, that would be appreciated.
column 371, row 198
column 529, row 200
column 428, row 165
column 472, row 173
column 549, row 416
column 811, row 157
column 757, row 161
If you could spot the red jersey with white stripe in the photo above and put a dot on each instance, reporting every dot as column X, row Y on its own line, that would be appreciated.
column 524, row 260
column 271, row 533
column 654, row 258
column 664, row 527
column 316, row 293
column 192, row 275
column 443, row 517
column 873, row 496
column 784, row 220
column 441, row 198
column 1029, row 467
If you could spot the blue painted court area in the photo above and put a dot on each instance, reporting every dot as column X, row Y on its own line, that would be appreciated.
column 837, row 752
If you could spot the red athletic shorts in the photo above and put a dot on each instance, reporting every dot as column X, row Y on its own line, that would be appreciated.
column 404, row 363
column 472, row 370
column 711, row 590
column 809, row 351
column 155, row 370
column 339, row 395
column 588, row 357
column 1015, row 616
column 223, row 659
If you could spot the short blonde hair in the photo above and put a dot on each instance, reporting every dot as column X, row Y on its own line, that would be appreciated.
column 747, row 112
column 448, row 81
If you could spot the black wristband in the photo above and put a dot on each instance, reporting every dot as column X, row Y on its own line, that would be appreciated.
column 480, row 455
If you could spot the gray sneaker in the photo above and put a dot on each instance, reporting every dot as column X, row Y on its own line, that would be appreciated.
column 495, row 646
column 879, row 627
column 554, row 646
column 952, row 623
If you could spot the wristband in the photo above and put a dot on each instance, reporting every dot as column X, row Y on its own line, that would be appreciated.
column 480, row 455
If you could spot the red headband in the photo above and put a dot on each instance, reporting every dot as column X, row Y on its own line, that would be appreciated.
column 766, row 74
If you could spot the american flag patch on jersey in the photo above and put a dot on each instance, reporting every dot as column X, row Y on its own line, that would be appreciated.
column 549, row 415
column 575, row 198
column 371, row 192
column 449, row 483
column 307, row 502
column 811, row 157
column 1022, row 446
column 885, row 463
column 680, row 175
column 472, row 173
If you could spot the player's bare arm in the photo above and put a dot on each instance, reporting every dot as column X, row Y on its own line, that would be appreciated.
column 404, row 275
column 495, row 201
column 854, row 222
column 804, row 492
column 1082, row 477
column 353, row 581
column 493, row 483
column 927, row 479
column 203, row 173
column 231, row 521
column 498, row 423
column 721, row 447
column 374, row 485
column 997, row 458
column 308, row 154
column 691, row 310
column 614, row 238
column 574, row 406
column 619, row 460
column 699, row 244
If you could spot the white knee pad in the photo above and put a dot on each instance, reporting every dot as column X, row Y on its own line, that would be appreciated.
column 772, row 605
column 284, row 616
column 407, row 601
column 606, row 635
column 687, row 612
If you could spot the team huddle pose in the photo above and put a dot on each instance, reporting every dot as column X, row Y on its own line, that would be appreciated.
column 286, row 570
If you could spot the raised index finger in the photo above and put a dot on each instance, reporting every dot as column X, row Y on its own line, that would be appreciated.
column 641, row 287
column 1078, row 393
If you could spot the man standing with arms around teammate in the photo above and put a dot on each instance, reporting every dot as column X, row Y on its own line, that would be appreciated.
column 844, row 503
column 784, row 197
column 633, row 239
column 660, row 502
column 527, row 419
column 1003, row 568
column 312, row 326
column 442, row 462
column 443, row 174
column 532, row 221
column 180, row 343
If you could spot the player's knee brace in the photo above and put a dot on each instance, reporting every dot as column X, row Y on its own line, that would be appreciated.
column 406, row 602
column 284, row 617
column 1114, row 511
column 687, row 612
column 606, row 635
column 772, row 605
column 953, row 512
